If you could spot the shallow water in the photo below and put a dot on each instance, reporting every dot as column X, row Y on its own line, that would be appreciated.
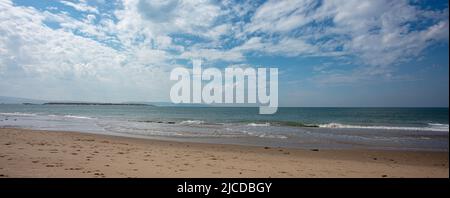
column 336, row 128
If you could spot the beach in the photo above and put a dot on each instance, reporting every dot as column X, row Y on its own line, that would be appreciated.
column 37, row 153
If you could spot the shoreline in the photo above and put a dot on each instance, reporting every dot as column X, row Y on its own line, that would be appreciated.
column 34, row 153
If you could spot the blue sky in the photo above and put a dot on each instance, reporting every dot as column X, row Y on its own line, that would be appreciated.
column 329, row 53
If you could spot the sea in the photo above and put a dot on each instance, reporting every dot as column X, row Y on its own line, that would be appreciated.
column 424, row 129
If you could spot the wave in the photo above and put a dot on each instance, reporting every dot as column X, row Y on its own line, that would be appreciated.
column 266, row 123
column 77, row 117
column 18, row 114
column 264, row 135
column 40, row 114
column 259, row 124
column 430, row 127
column 272, row 136
column 192, row 122
column 439, row 126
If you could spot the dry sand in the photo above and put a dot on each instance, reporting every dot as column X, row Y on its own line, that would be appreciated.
column 30, row 153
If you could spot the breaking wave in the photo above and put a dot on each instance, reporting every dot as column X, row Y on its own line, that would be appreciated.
column 430, row 127
column 259, row 124
column 18, row 114
column 192, row 122
column 77, row 117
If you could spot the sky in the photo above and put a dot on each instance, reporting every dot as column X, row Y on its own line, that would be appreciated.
column 328, row 53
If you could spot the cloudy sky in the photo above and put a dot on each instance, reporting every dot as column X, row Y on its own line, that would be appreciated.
column 329, row 53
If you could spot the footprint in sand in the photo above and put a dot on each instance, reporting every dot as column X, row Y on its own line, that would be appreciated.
column 78, row 168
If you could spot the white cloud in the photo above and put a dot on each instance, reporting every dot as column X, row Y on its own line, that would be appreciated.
column 373, row 30
column 379, row 31
column 281, row 16
column 133, row 47
column 70, row 66
column 285, row 47
column 377, row 34
column 149, row 19
column 81, row 6
column 214, row 55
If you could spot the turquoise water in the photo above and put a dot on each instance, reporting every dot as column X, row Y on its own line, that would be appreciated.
column 386, row 128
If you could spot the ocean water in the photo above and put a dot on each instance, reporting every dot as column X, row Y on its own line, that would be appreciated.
column 329, row 128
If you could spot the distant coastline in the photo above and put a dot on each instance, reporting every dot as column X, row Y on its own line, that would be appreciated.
column 94, row 103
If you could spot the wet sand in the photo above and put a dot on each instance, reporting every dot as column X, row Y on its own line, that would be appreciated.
column 31, row 153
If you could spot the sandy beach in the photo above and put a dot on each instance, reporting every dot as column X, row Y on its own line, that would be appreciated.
column 31, row 153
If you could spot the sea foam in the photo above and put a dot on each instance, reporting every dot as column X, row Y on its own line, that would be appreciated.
column 430, row 127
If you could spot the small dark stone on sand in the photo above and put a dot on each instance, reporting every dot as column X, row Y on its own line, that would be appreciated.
column 266, row 147
column 383, row 175
column 314, row 149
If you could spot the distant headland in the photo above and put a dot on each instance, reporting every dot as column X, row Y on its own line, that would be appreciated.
column 95, row 103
